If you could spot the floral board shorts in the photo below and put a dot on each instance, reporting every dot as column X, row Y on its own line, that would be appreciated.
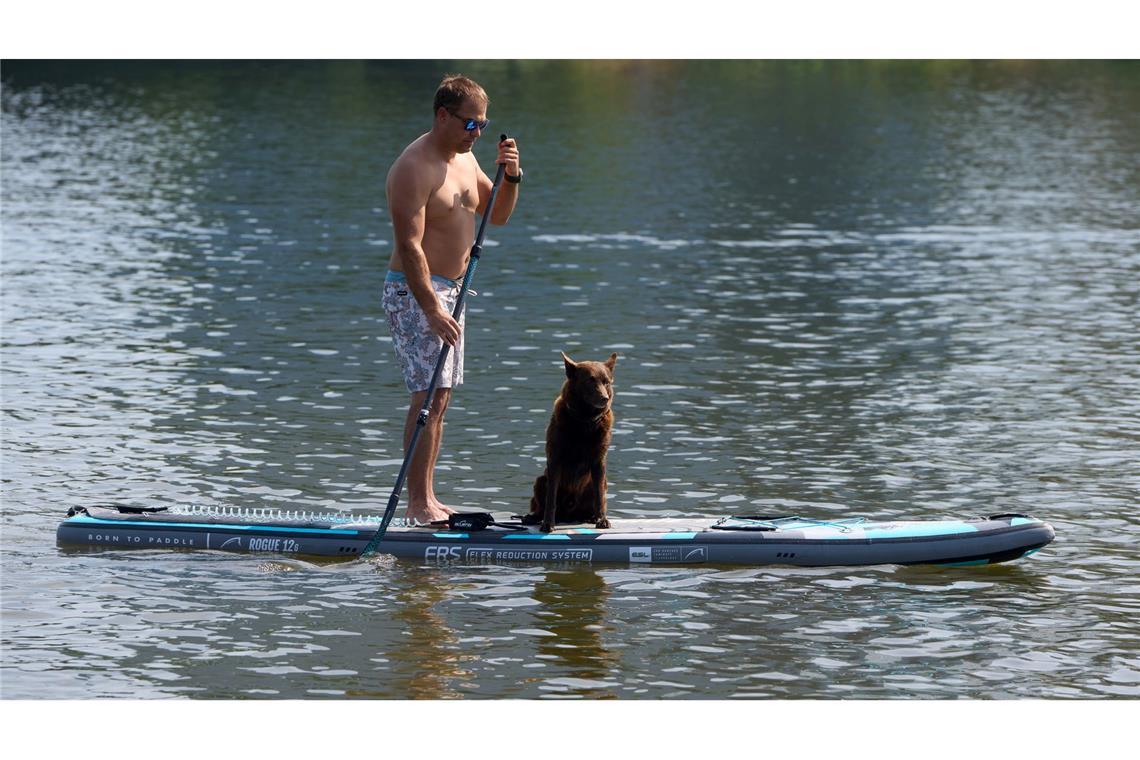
column 417, row 347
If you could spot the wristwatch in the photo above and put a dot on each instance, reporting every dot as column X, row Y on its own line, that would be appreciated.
column 516, row 179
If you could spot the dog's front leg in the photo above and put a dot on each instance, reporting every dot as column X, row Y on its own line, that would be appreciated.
column 551, row 504
column 598, row 473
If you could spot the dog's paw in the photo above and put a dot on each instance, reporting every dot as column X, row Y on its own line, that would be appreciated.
column 546, row 527
column 603, row 523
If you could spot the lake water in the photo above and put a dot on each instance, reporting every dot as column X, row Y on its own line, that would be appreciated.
column 895, row 290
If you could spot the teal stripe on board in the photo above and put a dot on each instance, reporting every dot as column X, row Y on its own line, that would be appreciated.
column 1023, row 521
column 920, row 531
column 539, row 536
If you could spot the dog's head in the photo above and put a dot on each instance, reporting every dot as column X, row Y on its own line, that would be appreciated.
column 591, row 382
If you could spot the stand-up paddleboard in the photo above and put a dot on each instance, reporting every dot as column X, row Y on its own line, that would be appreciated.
column 729, row 540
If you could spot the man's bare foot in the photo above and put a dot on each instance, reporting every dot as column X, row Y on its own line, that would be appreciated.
column 436, row 503
column 425, row 514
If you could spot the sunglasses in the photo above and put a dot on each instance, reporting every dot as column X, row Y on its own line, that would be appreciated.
column 471, row 125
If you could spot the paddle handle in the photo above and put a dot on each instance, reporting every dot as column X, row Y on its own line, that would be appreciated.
column 477, row 249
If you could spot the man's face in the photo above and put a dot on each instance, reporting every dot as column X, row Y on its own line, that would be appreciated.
column 459, row 118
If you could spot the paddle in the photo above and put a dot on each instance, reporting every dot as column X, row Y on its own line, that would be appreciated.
column 425, row 410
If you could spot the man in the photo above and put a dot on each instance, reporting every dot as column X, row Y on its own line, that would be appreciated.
column 435, row 189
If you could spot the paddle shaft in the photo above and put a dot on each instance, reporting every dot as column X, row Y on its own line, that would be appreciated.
column 425, row 410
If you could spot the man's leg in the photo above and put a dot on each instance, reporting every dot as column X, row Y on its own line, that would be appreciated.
column 422, row 503
column 439, row 409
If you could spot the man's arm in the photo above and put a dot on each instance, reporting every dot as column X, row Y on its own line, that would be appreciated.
column 508, row 191
column 408, row 193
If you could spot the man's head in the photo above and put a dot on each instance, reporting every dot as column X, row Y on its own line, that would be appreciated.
column 460, row 111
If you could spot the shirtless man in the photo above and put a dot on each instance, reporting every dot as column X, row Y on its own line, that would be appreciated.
column 435, row 189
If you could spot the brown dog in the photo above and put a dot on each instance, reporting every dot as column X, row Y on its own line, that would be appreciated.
column 573, row 486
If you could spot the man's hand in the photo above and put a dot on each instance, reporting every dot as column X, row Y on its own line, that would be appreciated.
column 509, row 155
column 443, row 325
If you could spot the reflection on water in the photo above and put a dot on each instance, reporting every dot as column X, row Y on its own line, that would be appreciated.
column 573, row 608
column 429, row 659
column 885, row 289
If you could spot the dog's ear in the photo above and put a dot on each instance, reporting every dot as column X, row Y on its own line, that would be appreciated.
column 611, row 362
column 570, row 364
